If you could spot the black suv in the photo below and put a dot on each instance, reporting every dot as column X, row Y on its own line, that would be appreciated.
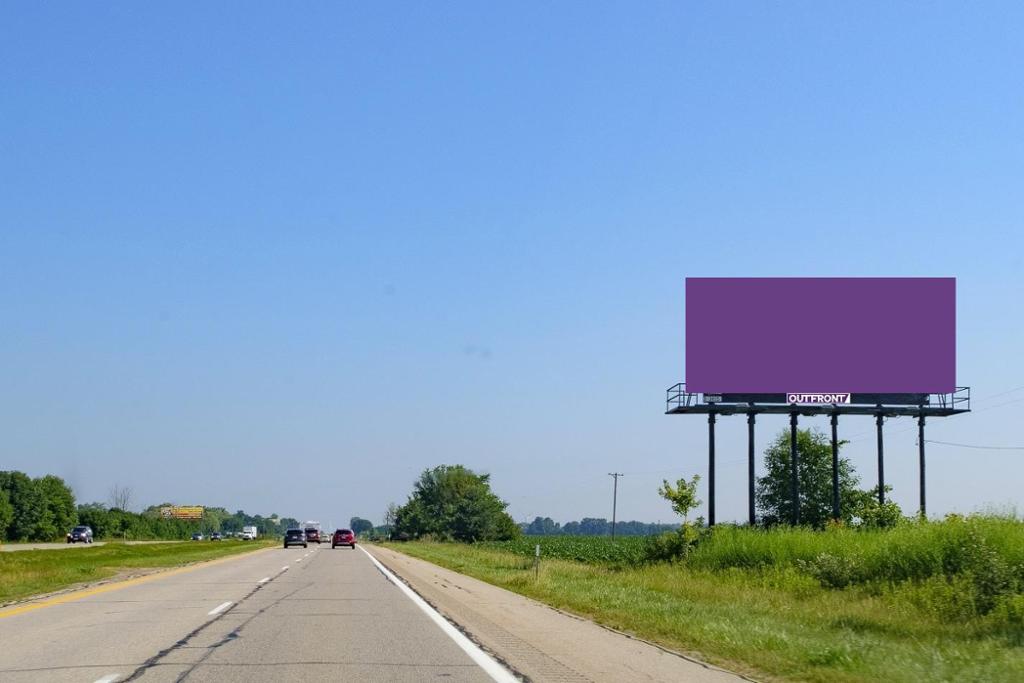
column 295, row 537
column 80, row 534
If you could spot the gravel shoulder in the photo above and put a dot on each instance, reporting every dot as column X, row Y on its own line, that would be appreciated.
column 539, row 642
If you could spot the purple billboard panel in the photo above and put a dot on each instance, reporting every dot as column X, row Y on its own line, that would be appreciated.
column 821, row 335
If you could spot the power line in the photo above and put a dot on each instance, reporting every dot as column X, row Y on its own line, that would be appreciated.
column 983, row 448
column 1001, row 393
column 859, row 436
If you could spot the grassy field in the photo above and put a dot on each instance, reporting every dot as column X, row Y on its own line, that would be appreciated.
column 925, row 602
column 31, row 572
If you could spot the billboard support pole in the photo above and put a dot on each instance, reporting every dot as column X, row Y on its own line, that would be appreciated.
column 711, row 469
column 751, row 417
column 879, row 420
column 794, row 476
column 920, row 453
column 835, row 466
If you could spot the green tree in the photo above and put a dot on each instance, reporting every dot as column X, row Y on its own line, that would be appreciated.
column 96, row 517
column 542, row 526
column 454, row 503
column 360, row 525
column 676, row 545
column 214, row 518
column 814, row 454
column 60, row 502
column 31, row 519
column 6, row 514
column 682, row 496
column 867, row 511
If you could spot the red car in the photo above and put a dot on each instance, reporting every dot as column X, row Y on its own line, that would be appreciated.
column 313, row 535
column 343, row 537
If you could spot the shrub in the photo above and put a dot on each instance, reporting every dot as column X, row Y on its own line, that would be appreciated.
column 833, row 571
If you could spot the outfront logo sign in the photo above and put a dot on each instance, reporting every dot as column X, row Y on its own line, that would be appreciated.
column 827, row 399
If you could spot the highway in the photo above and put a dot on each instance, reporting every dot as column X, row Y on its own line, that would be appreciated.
column 312, row 614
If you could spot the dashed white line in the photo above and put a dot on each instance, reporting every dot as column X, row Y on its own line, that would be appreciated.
column 264, row 579
column 496, row 671
column 219, row 608
column 298, row 559
column 109, row 678
column 284, row 569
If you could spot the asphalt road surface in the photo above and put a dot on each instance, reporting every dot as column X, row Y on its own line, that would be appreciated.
column 274, row 615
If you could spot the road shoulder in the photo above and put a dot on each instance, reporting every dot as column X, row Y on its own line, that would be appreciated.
column 538, row 641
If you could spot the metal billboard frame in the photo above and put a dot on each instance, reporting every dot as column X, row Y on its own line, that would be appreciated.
column 678, row 401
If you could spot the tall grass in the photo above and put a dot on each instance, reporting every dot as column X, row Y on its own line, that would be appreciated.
column 912, row 551
column 959, row 568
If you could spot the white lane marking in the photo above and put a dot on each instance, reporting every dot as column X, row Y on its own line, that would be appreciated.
column 284, row 569
column 298, row 559
column 264, row 579
column 219, row 608
column 493, row 669
column 109, row 678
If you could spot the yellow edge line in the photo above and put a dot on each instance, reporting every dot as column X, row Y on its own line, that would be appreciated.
column 117, row 585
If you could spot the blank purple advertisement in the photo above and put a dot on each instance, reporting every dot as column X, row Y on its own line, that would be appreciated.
column 784, row 335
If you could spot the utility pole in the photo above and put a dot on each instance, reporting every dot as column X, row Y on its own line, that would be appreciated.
column 615, row 497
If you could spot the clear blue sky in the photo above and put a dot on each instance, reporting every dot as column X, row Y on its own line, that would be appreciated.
column 284, row 258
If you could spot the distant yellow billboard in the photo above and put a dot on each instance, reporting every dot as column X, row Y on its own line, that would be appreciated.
column 182, row 512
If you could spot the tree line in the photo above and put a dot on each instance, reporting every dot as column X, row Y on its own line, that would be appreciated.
column 44, row 509
column 451, row 502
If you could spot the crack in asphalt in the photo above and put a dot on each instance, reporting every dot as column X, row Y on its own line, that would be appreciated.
column 183, row 643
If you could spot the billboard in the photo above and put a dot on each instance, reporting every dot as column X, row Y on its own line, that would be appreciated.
column 182, row 512
column 821, row 339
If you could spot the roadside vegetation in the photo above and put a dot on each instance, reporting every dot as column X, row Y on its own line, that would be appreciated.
column 32, row 572
column 44, row 509
column 923, row 601
column 451, row 502
column 871, row 595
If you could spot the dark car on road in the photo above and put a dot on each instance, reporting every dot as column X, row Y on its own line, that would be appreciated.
column 343, row 537
column 294, row 537
column 313, row 535
column 80, row 534
column 215, row 536
column 197, row 536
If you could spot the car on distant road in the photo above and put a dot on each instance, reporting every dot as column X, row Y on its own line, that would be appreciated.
column 80, row 534
column 197, row 536
column 343, row 537
column 215, row 536
column 295, row 537
column 313, row 535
